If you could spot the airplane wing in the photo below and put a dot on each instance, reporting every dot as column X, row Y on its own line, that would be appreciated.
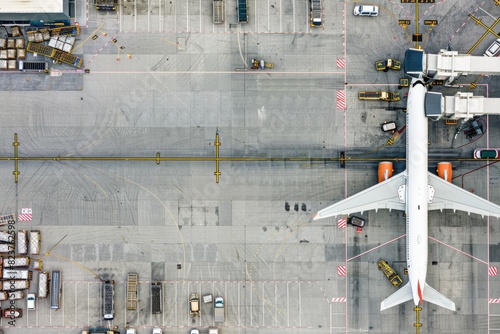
column 449, row 196
column 383, row 195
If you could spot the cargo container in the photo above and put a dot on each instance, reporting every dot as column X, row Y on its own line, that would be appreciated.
column 35, row 242
column 17, row 274
column 15, row 284
column 156, row 298
column 7, row 236
column 16, row 261
column 22, row 242
column 43, row 284
column 7, row 248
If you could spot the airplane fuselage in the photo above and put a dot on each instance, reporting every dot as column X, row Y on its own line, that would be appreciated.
column 417, row 190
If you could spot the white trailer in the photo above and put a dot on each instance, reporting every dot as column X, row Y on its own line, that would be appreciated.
column 35, row 242
column 43, row 284
column 15, row 284
column 22, row 242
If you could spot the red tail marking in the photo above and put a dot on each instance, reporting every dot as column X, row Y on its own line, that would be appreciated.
column 419, row 292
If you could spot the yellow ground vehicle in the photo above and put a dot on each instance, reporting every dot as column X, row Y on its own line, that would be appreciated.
column 385, row 65
column 389, row 273
column 381, row 96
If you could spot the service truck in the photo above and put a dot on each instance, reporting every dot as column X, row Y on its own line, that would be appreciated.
column 156, row 298
column 218, row 11
column 108, row 292
column 385, row 65
column 219, row 309
column 381, row 96
column 315, row 13
column 43, row 284
column 132, row 280
column 389, row 273
column 17, row 274
column 15, row 284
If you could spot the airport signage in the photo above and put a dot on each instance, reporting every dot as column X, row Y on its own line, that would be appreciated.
column 431, row 22
column 404, row 22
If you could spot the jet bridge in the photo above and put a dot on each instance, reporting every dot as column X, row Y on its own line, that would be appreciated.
column 449, row 65
column 460, row 106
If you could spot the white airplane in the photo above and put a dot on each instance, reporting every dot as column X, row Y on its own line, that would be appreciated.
column 414, row 191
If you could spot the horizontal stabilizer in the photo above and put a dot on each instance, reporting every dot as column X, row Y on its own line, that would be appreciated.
column 434, row 297
column 401, row 296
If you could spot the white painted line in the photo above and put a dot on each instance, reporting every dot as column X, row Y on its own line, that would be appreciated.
column 239, row 303
column 300, row 307
column 200, row 18
column 149, row 17
column 288, row 303
column 135, row 15
column 88, row 304
column 263, row 304
column 281, row 16
column 187, row 15
column 276, row 304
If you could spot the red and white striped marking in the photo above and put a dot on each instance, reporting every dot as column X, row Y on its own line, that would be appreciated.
column 493, row 271
column 26, row 215
column 341, row 63
column 494, row 301
column 341, row 105
column 339, row 300
column 341, row 271
column 342, row 223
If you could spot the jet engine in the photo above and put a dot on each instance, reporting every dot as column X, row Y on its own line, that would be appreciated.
column 385, row 171
column 444, row 170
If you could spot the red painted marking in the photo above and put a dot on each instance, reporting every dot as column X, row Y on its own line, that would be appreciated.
column 493, row 271
column 341, row 271
column 419, row 292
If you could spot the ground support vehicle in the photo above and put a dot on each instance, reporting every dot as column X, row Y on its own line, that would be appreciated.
column 218, row 11
column 381, row 96
column 105, row 4
column 132, row 280
column 108, row 293
column 385, row 65
column 15, row 284
column 194, row 305
column 219, row 309
column 390, row 273
column 315, row 13
column 261, row 64
column 43, row 284
column 156, row 298
column 242, row 11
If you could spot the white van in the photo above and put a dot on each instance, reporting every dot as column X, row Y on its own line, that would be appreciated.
column 31, row 302
column 494, row 49
column 366, row 10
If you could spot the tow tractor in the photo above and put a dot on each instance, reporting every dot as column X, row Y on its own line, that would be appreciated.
column 261, row 64
column 389, row 273
column 385, row 65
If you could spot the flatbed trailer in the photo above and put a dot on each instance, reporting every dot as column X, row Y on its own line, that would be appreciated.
column 242, row 11
column 218, row 11
column 132, row 281
column 379, row 95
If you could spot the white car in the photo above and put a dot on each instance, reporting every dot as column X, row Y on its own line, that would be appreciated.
column 365, row 10
column 31, row 302
column 494, row 49
column 157, row 330
column 194, row 331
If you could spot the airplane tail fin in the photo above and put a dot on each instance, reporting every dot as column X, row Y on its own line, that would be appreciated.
column 401, row 296
column 433, row 296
